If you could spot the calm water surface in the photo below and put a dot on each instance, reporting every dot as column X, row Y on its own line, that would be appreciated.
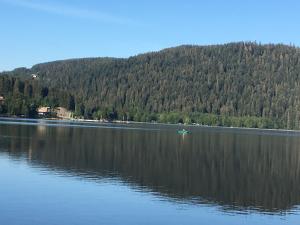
column 85, row 173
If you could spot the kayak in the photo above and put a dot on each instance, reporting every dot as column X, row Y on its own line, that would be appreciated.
column 183, row 131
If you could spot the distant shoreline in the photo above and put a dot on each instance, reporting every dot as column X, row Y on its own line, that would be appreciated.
column 146, row 123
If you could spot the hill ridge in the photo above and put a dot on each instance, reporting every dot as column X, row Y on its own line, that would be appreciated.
column 235, row 80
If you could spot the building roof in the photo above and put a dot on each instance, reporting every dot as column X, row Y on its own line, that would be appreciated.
column 43, row 109
column 1, row 98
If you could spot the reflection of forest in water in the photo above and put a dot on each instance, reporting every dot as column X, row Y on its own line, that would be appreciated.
column 225, row 168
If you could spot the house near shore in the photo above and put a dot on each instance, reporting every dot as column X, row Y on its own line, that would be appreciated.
column 2, row 99
column 44, row 111
column 63, row 113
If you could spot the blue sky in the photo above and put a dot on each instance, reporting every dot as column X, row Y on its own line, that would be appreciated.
column 34, row 31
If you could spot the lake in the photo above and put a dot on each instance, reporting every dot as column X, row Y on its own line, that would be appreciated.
column 62, row 172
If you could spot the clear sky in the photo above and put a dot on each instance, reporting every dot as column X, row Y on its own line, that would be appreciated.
column 34, row 31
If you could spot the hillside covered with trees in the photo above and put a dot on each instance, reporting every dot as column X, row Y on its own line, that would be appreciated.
column 236, row 84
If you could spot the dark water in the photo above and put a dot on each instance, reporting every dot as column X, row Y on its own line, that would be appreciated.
column 82, row 173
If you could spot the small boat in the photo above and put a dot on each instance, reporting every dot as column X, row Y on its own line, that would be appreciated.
column 183, row 131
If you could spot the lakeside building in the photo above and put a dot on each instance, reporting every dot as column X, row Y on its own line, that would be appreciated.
column 63, row 113
column 44, row 111
column 2, row 99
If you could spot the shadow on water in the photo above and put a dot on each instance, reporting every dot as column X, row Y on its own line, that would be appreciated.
column 234, row 170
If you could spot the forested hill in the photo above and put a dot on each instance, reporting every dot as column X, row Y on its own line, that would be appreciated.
column 216, row 85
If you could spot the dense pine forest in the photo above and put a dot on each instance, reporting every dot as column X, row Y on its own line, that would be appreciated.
column 236, row 84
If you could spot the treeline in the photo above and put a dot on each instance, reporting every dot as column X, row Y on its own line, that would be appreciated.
column 229, row 84
column 22, row 97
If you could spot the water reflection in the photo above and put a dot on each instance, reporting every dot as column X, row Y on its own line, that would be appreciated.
column 235, row 170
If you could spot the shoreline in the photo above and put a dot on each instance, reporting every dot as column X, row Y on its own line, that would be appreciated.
column 146, row 123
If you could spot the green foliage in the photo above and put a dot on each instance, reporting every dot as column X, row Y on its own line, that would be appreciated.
column 237, row 84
